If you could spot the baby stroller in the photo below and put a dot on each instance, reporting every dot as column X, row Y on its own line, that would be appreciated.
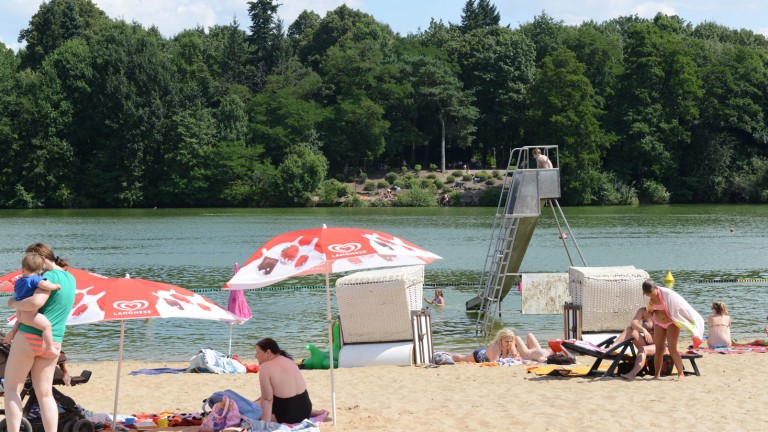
column 70, row 417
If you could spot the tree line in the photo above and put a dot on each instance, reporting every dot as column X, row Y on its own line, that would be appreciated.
column 98, row 112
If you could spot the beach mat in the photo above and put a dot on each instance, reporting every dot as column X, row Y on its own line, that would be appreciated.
column 158, row 371
column 736, row 350
column 563, row 370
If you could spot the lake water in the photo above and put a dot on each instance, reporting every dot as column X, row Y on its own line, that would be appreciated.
column 197, row 248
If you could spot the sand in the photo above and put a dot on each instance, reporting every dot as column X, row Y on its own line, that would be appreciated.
column 730, row 395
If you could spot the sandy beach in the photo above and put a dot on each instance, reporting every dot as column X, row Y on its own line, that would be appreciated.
column 730, row 395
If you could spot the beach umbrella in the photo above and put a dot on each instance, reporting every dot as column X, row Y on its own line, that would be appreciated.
column 325, row 251
column 238, row 306
column 80, row 275
column 100, row 299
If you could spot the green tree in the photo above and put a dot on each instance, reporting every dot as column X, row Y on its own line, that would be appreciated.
column 132, row 100
column 565, row 111
column 498, row 67
column 657, row 104
column 440, row 93
column 234, row 58
column 358, row 75
column 478, row 16
column 301, row 172
column 9, row 85
column 56, row 22
column 733, row 124
column 38, row 162
column 287, row 111
column 195, row 78
column 599, row 48
column 301, row 30
column 546, row 33
column 267, row 37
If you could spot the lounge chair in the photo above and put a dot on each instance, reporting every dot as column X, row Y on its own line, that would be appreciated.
column 691, row 357
column 616, row 353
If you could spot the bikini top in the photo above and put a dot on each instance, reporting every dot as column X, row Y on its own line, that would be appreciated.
column 657, row 306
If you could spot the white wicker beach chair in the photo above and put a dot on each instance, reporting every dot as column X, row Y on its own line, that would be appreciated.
column 375, row 307
column 608, row 296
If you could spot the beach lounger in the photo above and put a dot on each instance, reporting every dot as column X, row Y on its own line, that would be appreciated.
column 691, row 357
column 622, row 352
column 618, row 353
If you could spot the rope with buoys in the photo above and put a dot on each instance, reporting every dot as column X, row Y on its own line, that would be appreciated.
column 308, row 287
column 745, row 280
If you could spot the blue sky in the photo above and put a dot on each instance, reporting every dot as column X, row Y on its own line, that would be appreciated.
column 404, row 16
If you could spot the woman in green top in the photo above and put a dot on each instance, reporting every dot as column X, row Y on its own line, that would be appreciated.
column 24, row 358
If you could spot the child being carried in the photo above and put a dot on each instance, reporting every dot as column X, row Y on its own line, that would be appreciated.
column 32, row 266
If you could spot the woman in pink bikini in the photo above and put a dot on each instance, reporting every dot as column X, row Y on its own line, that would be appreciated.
column 670, row 312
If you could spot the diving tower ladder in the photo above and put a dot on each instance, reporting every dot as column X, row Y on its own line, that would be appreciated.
column 525, row 189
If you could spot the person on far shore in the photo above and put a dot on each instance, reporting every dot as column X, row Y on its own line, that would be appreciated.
column 503, row 346
column 284, row 396
column 668, row 311
column 719, row 326
column 438, row 300
column 542, row 161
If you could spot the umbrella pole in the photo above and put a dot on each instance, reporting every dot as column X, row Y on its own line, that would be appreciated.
column 119, row 366
column 330, row 336
column 230, row 339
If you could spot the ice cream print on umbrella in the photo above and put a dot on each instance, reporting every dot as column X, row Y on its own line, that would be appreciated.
column 321, row 250
column 288, row 258
column 87, row 309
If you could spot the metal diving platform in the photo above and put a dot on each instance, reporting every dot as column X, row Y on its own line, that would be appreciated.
column 525, row 190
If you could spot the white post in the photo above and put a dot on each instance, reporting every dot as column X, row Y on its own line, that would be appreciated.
column 119, row 367
column 330, row 335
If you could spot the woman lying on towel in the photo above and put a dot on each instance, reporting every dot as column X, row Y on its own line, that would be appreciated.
column 284, row 397
column 531, row 349
column 757, row 342
column 670, row 312
column 503, row 346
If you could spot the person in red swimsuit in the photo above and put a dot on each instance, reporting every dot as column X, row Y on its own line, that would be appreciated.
column 664, row 329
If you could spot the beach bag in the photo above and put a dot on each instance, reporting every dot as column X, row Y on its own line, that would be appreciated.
column 442, row 358
column 560, row 358
column 247, row 407
column 224, row 414
column 208, row 360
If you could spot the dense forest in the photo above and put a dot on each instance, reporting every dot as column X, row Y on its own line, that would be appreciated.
column 97, row 112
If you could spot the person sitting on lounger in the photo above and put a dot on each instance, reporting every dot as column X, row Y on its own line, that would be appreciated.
column 719, row 326
column 641, row 330
column 531, row 349
column 503, row 346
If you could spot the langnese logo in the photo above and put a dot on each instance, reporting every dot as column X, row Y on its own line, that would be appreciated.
column 131, row 307
column 346, row 249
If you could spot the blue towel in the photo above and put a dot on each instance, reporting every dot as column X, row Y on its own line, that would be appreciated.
column 158, row 371
column 246, row 407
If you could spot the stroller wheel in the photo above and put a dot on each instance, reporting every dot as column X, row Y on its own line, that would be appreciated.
column 26, row 426
column 83, row 425
column 68, row 426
